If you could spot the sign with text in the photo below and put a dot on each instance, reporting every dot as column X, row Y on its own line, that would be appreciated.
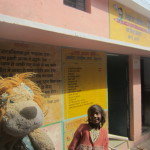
column 128, row 26
column 84, row 81
column 17, row 57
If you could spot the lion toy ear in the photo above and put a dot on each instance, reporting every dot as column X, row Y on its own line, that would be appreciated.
column 21, row 114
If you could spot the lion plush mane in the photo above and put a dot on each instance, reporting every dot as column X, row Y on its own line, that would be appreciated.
column 7, row 85
column 21, row 115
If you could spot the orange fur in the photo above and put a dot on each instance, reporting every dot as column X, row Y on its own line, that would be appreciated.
column 7, row 84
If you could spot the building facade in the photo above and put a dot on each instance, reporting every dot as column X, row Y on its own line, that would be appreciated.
column 84, row 52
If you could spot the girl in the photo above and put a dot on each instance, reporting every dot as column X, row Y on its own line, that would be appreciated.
column 91, row 136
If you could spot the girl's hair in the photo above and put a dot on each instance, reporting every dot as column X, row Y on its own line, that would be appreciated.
column 97, row 108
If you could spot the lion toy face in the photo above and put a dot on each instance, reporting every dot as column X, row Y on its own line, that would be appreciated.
column 23, row 115
column 20, row 110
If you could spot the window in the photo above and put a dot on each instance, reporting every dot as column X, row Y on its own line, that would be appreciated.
column 79, row 4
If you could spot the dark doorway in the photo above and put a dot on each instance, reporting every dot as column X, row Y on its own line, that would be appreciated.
column 145, row 82
column 118, row 96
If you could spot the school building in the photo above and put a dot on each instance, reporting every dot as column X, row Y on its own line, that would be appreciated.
column 84, row 52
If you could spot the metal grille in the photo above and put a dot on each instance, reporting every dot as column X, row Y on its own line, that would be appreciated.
column 79, row 4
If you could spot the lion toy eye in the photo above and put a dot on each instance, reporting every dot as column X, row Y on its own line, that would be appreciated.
column 3, row 99
column 3, row 102
column 11, row 101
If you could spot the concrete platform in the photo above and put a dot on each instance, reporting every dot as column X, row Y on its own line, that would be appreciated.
column 143, row 146
column 122, row 143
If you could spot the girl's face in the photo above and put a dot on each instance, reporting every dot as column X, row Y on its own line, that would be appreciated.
column 95, row 117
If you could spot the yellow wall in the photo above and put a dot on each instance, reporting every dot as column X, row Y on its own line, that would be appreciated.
column 84, row 74
column 84, row 81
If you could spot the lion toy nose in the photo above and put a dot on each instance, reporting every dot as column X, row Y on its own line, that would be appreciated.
column 29, row 112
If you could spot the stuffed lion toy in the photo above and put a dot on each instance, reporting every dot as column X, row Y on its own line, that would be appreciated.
column 21, row 115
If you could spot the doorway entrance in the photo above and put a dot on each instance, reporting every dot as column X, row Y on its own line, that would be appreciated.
column 145, row 82
column 118, row 95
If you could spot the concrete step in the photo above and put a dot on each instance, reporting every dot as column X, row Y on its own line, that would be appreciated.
column 143, row 146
